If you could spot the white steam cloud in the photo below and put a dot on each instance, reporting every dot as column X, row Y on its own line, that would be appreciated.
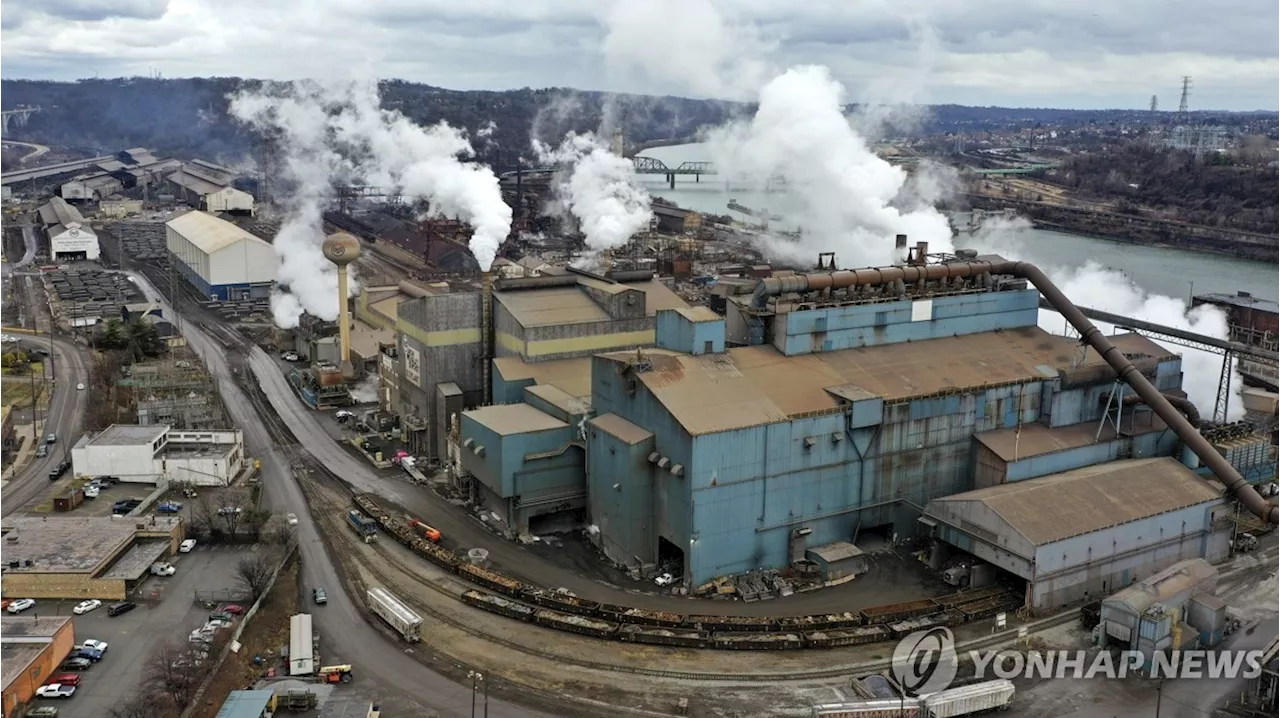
column 843, row 194
column 337, row 133
column 1098, row 287
column 687, row 42
column 600, row 190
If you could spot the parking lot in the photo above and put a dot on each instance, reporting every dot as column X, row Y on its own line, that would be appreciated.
column 166, row 611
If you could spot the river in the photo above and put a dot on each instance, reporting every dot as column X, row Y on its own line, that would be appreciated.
column 1157, row 270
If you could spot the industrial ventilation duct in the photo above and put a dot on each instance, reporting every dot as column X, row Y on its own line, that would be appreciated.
column 1190, row 436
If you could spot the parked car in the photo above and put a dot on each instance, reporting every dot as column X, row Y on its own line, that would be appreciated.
column 92, row 654
column 117, row 609
column 66, row 679
column 216, row 624
column 163, row 568
column 91, row 491
column 233, row 609
column 200, row 635
column 186, row 546
column 76, row 664
column 292, row 519
column 58, row 471
column 290, row 356
column 21, row 605
column 343, row 415
column 229, row 510
column 43, row 712
column 51, row 439
column 221, row 616
column 42, row 451
column 169, row 507
column 94, row 644
column 80, row 386
column 56, row 690
column 665, row 579
column 86, row 606
column 319, row 596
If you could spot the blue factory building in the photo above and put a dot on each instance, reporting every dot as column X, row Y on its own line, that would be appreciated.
column 747, row 441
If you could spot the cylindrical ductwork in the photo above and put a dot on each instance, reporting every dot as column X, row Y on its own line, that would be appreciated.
column 1182, row 404
column 1090, row 334
column 411, row 289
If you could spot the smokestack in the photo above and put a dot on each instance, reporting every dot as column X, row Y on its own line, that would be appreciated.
column 486, row 332
column 1089, row 334
column 618, row 144
column 900, row 242
column 343, row 249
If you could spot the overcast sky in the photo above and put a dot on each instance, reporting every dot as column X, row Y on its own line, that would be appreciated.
column 1040, row 53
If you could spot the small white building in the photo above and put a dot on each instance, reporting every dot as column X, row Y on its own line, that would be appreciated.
column 91, row 188
column 145, row 454
column 70, row 236
column 220, row 259
column 207, row 186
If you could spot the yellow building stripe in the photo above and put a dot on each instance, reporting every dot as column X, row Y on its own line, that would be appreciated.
column 599, row 342
column 510, row 342
column 448, row 338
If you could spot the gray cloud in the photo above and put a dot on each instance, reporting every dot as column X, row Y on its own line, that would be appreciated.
column 88, row 10
column 1089, row 53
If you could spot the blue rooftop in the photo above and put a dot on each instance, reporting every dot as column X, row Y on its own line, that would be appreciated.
column 246, row 704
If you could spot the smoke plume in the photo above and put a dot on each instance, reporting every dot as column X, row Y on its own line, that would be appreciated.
column 333, row 134
column 600, row 190
column 842, row 194
column 1098, row 287
column 688, row 42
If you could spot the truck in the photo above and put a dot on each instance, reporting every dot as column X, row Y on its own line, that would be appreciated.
column 397, row 615
column 431, row 534
column 366, row 527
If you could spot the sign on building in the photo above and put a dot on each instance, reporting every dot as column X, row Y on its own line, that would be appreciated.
column 413, row 365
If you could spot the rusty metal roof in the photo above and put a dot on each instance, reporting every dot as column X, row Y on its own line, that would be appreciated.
column 699, row 314
column 572, row 376
column 621, row 429
column 506, row 419
column 749, row 386
column 561, row 399
column 1166, row 584
column 1052, row 508
column 1037, row 439
column 551, row 306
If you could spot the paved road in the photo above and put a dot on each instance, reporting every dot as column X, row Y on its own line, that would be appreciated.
column 375, row 657
column 36, row 150
column 66, row 414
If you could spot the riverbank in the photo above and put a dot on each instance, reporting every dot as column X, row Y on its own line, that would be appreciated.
column 1137, row 230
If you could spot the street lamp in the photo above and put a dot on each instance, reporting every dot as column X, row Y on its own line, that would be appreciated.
column 476, row 679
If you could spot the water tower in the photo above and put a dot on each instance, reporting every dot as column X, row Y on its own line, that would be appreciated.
column 343, row 249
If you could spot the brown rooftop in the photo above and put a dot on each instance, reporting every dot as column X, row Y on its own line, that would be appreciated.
column 749, row 386
column 57, row 544
column 1037, row 439
column 506, row 419
column 572, row 376
column 1093, row 498
column 620, row 428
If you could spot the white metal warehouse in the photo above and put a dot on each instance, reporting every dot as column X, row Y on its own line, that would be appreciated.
column 220, row 259
column 70, row 237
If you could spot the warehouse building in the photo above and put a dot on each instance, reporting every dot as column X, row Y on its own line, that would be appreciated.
column 832, row 416
column 149, row 453
column 90, row 188
column 1081, row 534
column 1174, row 609
column 208, row 187
column 69, row 234
column 221, row 260
column 79, row 558
column 545, row 330
column 31, row 649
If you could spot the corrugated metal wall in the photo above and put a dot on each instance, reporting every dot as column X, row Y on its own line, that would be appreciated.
column 861, row 325
column 445, row 331
column 621, row 495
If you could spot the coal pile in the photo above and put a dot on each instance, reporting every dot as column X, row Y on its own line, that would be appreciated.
column 142, row 241
column 85, row 286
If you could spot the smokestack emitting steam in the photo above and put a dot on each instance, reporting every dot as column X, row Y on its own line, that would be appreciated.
column 600, row 190
column 338, row 134
column 342, row 249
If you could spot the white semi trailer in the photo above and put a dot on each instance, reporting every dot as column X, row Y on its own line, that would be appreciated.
column 397, row 615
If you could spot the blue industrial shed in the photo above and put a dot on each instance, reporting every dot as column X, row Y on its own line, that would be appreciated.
column 743, row 442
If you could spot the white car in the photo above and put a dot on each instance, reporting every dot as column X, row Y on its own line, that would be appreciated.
column 186, row 546
column 94, row 645
column 200, row 636
column 292, row 519
column 56, row 690
column 665, row 579
column 343, row 415
column 86, row 606
column 21, row 605
column 80, row 387
column 92, row 491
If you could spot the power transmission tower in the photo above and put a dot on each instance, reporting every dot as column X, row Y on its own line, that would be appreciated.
column 1181, row 119
column 1155, row 103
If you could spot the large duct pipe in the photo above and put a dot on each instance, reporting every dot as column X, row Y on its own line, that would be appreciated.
column 1159, row 403
column 1182, row 404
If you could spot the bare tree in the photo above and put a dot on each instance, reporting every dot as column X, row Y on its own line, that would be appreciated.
column 175, row 671
column 253, row 572
column 140, row 705
column 203, row 512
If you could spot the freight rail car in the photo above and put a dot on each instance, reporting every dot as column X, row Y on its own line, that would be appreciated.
column 873, row 708
column 397, row 615
column 562, row 611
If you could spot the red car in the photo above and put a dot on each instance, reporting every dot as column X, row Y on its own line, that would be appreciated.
column 66, row 679
column 233, row 609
